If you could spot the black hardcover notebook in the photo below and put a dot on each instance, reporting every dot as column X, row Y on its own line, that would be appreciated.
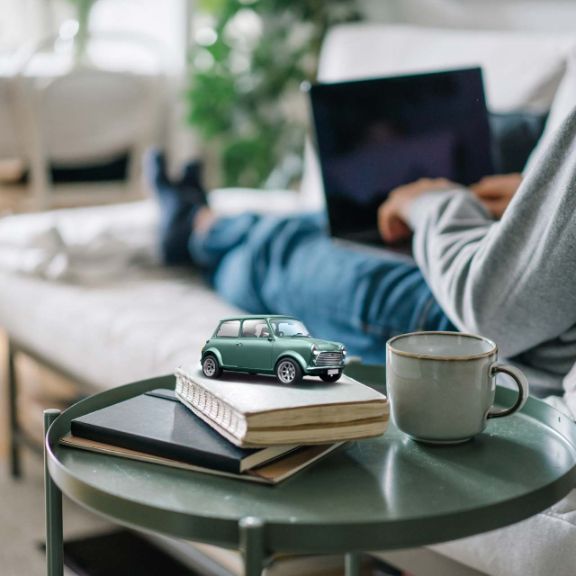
column 157, row 423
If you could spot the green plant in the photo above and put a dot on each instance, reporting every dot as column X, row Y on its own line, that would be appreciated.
column 246, row 70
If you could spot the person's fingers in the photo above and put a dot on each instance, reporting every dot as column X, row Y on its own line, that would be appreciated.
column 391, row 227
column 431, row 183
column 387, row 230
column 490, row 204
column 420, row 186
column 486, row 185
column 484, row 180
column 476, row 188
column 488, row 191
column 495, row 207
column 508, row 183
column 393, row 214
column 385, row 215
column 442, row 181
column 381, row 219
column 398, row 230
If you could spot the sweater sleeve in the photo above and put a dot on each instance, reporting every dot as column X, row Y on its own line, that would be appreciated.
column 513, row 281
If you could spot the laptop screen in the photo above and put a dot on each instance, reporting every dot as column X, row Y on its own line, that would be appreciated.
column 374, row 135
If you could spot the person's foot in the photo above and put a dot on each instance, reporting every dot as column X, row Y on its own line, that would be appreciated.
column 179, row 202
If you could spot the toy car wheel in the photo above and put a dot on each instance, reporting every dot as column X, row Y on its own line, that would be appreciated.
column 210, row 366
column 331, row 377
column 288, row 371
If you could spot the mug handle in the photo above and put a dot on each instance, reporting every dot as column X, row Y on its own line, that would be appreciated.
column 522, row 383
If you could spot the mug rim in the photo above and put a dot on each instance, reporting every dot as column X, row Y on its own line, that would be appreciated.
column 425, row 356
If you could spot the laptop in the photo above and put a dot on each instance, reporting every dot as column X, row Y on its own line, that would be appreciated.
column 374, row 135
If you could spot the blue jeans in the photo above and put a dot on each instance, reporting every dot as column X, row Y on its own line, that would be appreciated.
column 289, row 265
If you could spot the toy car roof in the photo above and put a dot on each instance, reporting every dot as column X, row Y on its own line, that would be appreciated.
column 257, row 317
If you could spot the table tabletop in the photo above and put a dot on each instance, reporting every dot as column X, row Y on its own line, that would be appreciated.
column 383, row 493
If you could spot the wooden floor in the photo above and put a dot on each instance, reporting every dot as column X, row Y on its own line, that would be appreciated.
column 22, row 521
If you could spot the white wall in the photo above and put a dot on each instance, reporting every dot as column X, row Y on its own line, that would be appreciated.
column 21, row 21
column 535, row 15
column 27, row 21
column 164, row 20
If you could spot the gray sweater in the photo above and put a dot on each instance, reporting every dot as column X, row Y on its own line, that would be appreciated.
column 514, row 280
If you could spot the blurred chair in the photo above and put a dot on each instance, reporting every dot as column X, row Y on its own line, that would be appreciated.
column 76, row 119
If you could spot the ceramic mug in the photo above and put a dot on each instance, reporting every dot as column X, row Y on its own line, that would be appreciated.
column 441, row 385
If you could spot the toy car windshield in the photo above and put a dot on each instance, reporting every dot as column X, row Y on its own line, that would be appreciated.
column 287, row 328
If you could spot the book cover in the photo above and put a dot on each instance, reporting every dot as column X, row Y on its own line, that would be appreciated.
column 271, row 473
column 157, row 423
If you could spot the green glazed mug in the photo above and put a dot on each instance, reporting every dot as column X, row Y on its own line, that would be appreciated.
column 441, row 385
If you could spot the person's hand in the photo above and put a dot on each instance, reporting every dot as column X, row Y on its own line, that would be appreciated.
column 393, row 213
column 496, row 192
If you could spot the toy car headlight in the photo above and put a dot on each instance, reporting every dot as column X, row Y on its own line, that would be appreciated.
column 315, row 350
column 344, row 351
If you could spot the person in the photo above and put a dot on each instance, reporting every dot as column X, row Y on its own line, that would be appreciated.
column 497, row 259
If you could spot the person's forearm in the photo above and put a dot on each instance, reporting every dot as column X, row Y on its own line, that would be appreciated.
column 515, row 280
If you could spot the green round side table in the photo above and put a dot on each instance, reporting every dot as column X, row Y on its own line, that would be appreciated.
column 379, row 494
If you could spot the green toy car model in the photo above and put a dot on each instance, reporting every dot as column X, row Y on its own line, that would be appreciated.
column 277, row 345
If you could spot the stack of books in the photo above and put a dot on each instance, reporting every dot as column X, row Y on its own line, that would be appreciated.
column 241, row 426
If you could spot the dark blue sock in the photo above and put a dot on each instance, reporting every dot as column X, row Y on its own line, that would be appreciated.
column 179, row 201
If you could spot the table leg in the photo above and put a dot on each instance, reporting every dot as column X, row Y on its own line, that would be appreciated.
column 252, row 545
column 12, row 389
column 352, row 564
column 53, row 496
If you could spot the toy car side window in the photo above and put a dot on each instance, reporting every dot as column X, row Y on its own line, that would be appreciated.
column 257, row 328
column 229, row 329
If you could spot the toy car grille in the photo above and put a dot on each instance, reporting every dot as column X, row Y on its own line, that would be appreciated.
column 329, row 359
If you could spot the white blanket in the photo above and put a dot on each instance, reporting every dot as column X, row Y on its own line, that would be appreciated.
column 80, row 245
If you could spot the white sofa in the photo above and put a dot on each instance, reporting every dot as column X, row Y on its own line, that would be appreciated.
column 82, row 289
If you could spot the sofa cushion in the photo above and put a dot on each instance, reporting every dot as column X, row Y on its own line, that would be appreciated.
column 514, row 135
column 117, row 331
column 522, row 71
